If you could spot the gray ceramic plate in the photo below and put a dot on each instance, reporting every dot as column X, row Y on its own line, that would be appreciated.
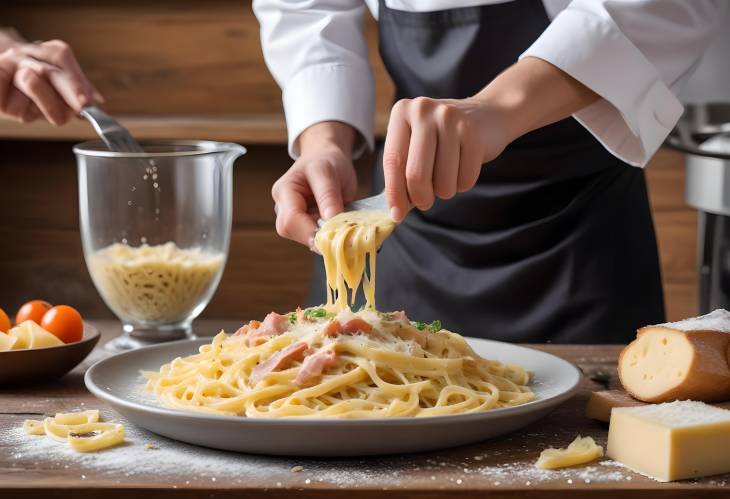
column 117, row 380
column 38, row 365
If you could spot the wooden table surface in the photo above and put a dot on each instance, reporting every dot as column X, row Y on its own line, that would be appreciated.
column 503, row 467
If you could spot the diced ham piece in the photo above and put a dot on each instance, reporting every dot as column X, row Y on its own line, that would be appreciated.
column 314, row 365
column 278, row 361
column 276, row 322
column 242, row 330
column 356, row 325
column 352, row 326
column 273, row 324
column 408, row 332
column 257, row 336
column 332, row 328
column 400, row 316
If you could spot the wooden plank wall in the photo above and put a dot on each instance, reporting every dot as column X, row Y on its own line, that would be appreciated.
column 40, row 246
column 202, row 59
column 186, row 58
column 40, row 249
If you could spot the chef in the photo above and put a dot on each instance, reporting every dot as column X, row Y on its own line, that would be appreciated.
column 518, row 136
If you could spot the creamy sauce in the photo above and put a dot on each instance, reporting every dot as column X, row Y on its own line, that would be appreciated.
column 348, row 242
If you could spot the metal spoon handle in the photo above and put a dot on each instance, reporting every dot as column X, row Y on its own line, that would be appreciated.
column 115, row 136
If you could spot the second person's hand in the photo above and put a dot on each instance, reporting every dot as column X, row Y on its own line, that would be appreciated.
column 43, row 79
column 319, row 183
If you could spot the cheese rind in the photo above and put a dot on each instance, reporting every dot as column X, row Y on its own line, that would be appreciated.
column 675, row 362
column 671, row 441
column 601, row 403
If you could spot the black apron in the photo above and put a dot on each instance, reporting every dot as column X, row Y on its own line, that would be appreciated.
column 556, row 240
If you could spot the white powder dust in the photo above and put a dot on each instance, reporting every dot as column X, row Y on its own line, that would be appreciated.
column 162, row 461
column 717, row 320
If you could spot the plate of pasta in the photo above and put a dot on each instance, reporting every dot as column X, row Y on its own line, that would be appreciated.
column 335, row 380
column 324, row 390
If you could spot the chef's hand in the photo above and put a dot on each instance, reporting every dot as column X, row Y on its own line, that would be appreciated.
column 318, row 184
column 435, row 148
column 41, row 79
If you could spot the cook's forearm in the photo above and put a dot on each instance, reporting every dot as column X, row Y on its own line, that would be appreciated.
column 328, row 134
column 533, row 93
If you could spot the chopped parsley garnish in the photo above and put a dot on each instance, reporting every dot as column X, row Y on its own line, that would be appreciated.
column 312, row 313
column 292, row 317
column 434, row 327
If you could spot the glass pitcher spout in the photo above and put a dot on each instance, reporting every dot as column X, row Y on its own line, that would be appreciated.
column 231, row 152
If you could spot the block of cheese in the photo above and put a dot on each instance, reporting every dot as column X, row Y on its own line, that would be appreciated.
column 671, row 441
column 602, row 402
column 7, row 342
column 31, row 335
column 679, row 360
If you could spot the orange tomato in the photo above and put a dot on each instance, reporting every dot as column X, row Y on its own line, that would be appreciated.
column 34, row 311
column 4, row 321
column 64, row 322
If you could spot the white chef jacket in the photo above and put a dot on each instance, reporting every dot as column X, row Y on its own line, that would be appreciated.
column 635, row 54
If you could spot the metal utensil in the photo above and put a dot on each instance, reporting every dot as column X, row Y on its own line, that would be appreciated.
column 377, row 202
column 115, row 136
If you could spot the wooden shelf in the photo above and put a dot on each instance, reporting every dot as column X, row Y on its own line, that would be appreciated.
column 264, row 129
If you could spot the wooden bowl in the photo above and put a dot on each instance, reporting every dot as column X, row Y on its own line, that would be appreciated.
column 38, row 365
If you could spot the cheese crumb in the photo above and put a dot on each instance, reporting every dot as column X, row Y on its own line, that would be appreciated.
column 580, row 451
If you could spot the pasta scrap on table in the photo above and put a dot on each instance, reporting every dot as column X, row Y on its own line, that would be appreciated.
column 580, row 451
column 82, row 431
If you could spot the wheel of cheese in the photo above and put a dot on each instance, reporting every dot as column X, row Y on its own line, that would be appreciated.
column 685, row 360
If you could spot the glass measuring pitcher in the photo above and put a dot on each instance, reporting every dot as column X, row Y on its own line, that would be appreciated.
column 155, row 229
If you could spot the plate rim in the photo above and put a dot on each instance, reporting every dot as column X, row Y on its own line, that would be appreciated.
column 178, row 414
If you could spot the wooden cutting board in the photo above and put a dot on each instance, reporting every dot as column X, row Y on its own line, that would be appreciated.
column 600, row 403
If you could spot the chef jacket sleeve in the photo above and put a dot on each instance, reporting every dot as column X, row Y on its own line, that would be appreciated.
column 317, row 53
column 635, row 54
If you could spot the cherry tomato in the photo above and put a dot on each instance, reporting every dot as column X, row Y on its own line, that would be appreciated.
column 4, row 321
column 34, row 311
column 64, row 322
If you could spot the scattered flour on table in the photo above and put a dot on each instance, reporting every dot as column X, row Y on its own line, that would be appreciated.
column 148, row 455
